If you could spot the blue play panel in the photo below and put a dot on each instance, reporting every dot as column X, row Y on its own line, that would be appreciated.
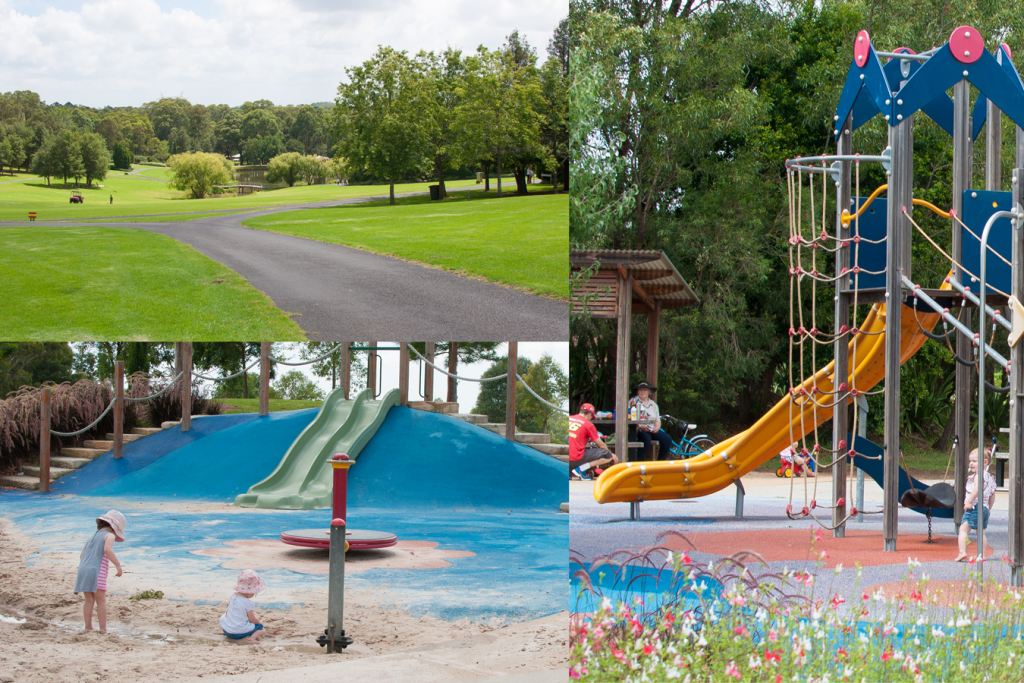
column 424, row 477
column 979, row 205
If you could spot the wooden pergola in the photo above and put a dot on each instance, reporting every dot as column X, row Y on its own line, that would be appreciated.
column 629, row 282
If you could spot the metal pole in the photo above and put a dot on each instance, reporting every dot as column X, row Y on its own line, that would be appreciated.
column 186, row 386
column 118, row 409
column 337, row 641
column 979, row 504
column 897, row 263
column 510, row 395
column 44, row 441
column 428, row 373
column 993, row 142
column 1015, row 528
column 964, row 347
column 371, row 369
column 264, row 378
column 862, row 431
column 840, row 414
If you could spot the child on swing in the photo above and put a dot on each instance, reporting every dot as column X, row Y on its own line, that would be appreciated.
column 970, row 518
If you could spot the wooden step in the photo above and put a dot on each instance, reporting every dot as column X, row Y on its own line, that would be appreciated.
column 496, row 427
column 87, row 453
column 471, row 418
column 20, row 481
column 564, row 507
column 55, row 472
column 169, row 425
column 146, row 431
column 127, row 438
column 68, row 463
column 443, row 407
column 99, row 445
column 552, row 448
column 530, row 439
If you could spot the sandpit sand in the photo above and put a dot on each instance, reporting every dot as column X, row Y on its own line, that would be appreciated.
column 41, row 636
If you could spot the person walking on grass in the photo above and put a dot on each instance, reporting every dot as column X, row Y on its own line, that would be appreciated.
column 94, row 563
column 240, row 620
column 970, row 519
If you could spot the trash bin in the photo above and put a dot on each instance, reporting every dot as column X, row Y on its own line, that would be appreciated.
column 479, row 177
column 435, row 192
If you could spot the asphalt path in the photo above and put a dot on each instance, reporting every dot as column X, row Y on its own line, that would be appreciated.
column 338, row 293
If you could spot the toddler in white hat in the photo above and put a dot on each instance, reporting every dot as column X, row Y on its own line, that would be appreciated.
column 240, row 620
column 93, row 566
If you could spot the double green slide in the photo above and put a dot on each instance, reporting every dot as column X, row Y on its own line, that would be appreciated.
column 302, row 480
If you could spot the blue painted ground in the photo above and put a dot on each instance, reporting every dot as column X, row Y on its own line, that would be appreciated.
column 423, row 477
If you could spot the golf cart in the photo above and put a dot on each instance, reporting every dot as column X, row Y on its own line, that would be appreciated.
column 76, row 197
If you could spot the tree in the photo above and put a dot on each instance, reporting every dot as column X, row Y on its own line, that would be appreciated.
column 377, row 118
column 238, row 387
column 554, row 132
column 198, row 172
column 95, row 157
column 545, row 377
column 32, row 363
column 229, row 358
column 296, row 386
column 259, row 123
column 42, row 161
column 122, row 156
column 260, row 150
column 498, row 115
column 229, row 134
column 331, row 365
column 439, row 78
column 65, row 155
column 307, row 126
column 288, row 168
column 5, row 155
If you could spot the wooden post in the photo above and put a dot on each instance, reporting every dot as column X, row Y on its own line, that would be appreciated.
column 428, row 374
column 1015, row 529
column 653, row 323
column 625, row 308
column 510, row 392
column 44, row 441
column 345, row 371
column 993, row 140
column 403, row 373
column 964, row 386
column 264, row 378
column 453, row 367
column 840, row 413
column 186, row 387
column 118, row 409
column 371, row 369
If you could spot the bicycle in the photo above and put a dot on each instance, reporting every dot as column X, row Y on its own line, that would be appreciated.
column 686, row 447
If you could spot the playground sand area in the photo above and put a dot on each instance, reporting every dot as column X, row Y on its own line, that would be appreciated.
column 179, row 638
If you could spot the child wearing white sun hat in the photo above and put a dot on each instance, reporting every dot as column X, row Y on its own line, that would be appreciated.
column 93, row 566
column 240, row 620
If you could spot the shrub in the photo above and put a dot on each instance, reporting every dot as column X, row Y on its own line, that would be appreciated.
column 167, row 407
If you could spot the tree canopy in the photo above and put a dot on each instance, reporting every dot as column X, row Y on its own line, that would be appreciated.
column 198, row 172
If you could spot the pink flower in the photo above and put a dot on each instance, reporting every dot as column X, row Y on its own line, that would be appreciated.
column 837, row 600
column 686, row 558
column 824, row 554
column 731, row 670
column 741, row 630
column 916, row 596
column 648, row 649
column 773, row 635
column 772, row 656
column 618, row 654
column 887, row 655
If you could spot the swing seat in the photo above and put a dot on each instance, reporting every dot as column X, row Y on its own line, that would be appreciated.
column 939, row 495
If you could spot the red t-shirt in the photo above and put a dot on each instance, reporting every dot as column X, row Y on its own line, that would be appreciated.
column 581, row 432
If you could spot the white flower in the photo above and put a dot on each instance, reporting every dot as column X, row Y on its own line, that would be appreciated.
column 913, row 563
column 963, row 667
column 702, row 641
column 672, row 672
column 963, row 621
column 839, row 568
column 753, row 662
column 606, row 604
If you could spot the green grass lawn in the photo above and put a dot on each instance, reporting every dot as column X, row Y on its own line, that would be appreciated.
column 134, row 196
column 95, row 283
column 252, row 405
column 517, row 241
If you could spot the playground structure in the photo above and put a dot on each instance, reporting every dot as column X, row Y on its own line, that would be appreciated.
column 873, row 266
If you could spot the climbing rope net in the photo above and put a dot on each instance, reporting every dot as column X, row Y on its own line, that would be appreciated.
column 814, row 394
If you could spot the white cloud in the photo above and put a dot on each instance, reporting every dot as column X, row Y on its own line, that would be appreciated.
column 127, row 52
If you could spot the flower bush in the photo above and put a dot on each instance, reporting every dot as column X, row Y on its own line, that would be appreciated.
column 765, row 626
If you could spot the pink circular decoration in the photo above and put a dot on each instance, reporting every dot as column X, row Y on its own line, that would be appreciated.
column 861, row 48
column 966, row 44
column 1007, row 49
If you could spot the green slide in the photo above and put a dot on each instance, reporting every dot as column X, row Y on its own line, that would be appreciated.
column 302, row 480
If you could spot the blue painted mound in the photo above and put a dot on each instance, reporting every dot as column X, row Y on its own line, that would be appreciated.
column 429, row 461
column 219, row 465
column 145, row 452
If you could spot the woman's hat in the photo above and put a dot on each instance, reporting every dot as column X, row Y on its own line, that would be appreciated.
column 250, row 582
column 117, row 522
column 645, row 385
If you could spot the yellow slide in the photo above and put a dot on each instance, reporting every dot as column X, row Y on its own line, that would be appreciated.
column 720, row 466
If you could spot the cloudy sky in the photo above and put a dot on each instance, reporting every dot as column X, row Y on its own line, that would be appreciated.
column 127, row 52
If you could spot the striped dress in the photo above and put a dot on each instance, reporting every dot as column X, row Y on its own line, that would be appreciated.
column 92, row 567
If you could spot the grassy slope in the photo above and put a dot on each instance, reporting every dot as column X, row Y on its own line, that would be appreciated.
column 135, row 196
column 110, row 283
column 252, row 405
column 518, row 241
